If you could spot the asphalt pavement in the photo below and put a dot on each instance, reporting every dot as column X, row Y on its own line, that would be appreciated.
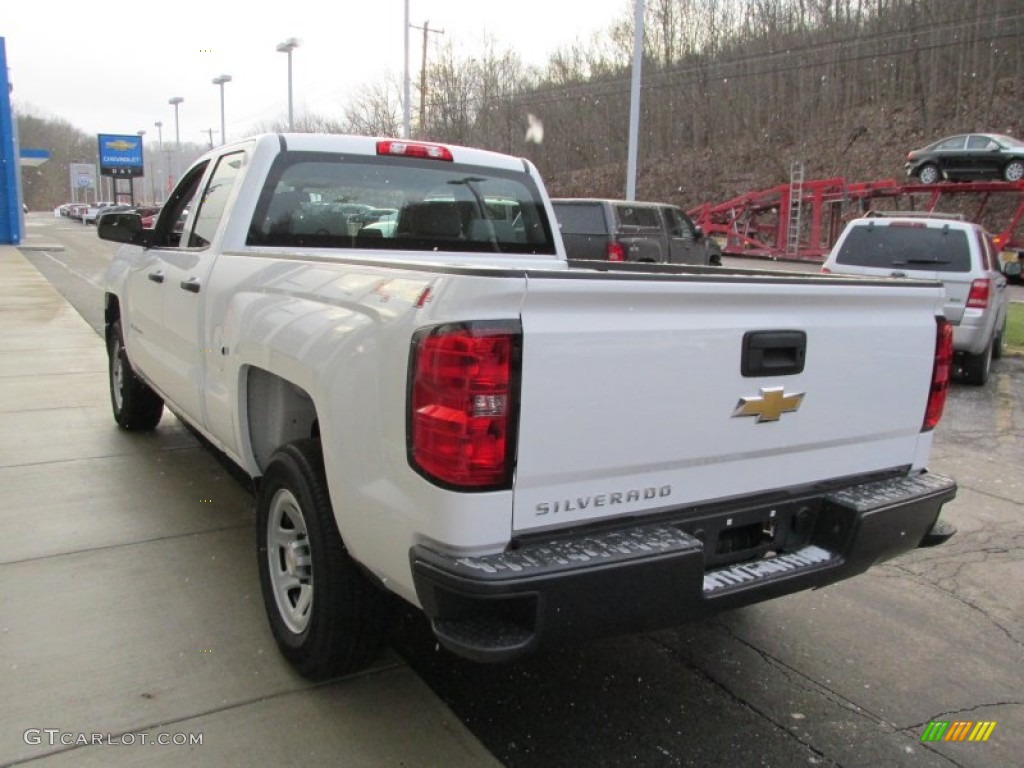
column 130, row 609
column 130, row 612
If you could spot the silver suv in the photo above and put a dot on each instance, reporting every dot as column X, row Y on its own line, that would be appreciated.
column 958, row 253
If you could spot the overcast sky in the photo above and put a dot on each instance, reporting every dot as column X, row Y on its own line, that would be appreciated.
column 111, row 67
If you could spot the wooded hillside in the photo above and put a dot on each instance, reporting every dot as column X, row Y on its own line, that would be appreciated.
column 733, row 92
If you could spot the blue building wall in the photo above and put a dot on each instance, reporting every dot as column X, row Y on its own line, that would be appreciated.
column 10, row 204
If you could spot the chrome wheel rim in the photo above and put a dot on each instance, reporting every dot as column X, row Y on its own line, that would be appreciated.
column 117, row 376
column 929, row 175
column 290, row 561
column 1015, row 172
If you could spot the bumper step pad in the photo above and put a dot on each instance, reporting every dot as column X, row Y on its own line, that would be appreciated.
column 744, row 573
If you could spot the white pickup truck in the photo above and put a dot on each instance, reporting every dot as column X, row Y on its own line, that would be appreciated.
column 435, row 404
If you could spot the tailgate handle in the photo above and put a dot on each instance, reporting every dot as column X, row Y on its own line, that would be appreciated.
column 773, row 353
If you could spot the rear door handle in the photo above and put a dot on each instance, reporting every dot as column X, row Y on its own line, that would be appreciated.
column 191, row 285
column 156, row 277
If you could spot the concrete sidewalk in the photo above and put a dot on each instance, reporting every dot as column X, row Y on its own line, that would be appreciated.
column 130, row 609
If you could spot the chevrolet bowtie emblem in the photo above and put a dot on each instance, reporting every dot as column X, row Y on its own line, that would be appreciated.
column 770, row 405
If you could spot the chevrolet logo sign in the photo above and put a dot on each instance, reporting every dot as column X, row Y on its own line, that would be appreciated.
column 121, row 144
column 770, row 405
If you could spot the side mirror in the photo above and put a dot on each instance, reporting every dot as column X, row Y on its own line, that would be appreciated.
column 698, row 233
column 124, row 228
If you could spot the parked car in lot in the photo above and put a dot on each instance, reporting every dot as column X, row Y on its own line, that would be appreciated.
column 625, row 230
column 77, row 210
column 968, row 156
column 93, row 214
column 958, row 253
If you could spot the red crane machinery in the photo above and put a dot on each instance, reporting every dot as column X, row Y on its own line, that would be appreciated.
column 801, row 220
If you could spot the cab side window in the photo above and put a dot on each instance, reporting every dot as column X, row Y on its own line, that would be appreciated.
column 678, row 224
column 214, row 199
column 175, row 212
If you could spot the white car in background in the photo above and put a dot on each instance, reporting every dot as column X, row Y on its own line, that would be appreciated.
column 958, row 253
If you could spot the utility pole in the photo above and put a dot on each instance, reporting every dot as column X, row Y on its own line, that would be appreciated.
column 423, row 72
column 209, row 133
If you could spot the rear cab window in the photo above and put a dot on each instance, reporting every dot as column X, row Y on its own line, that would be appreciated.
column 580, row 218
column 906, row 246
column 334, row 200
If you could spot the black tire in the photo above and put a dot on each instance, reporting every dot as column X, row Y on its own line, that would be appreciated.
column 327, row 617
column 1014, row 170
column 997, row 342
column 929, row 173
column 137, row 408
column 976, row 367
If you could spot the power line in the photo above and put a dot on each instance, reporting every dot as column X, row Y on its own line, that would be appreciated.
column 694, row 73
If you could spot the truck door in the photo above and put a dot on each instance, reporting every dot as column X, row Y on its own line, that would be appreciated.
column 684, row 245
column 147, row 286
column 187, row 269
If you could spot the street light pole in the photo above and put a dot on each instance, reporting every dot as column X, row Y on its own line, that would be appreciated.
column 158, row 198
column 220, row 80
column 634, row 99
column 405, row 79
column 141, row 133
column 288, row 46
column 175, row 101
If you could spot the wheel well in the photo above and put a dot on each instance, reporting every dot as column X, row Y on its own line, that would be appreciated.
column 111, row 313
column 111, row 308
column 278, row 412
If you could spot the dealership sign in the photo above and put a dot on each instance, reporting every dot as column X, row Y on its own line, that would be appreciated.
column 120, row 155
column 83, row 176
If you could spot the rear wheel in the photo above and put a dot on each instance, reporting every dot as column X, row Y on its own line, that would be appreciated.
column 976, row 367
column 929, row 174
column 137, row 408
column 997, row 342
column 326, row 616
column 1014, row 170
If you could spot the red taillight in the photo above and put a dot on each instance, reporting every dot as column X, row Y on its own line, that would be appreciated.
column 414, row 149
column 462, row 402
column 981, row 293
column 826, row 271
column 616, row 252
column 942, row 370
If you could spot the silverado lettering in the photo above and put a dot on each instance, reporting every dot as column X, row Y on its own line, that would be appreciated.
column 603, row 499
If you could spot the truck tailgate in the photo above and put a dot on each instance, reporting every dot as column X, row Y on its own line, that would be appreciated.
column 633, row 398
